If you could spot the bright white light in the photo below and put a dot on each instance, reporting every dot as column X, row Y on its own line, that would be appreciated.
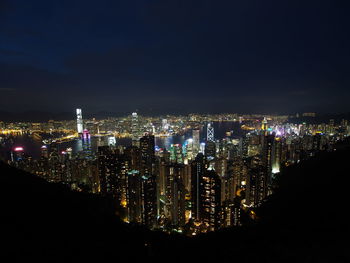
column 111, row 141
column 79, row 121
column 275, row 170
column 19, row 149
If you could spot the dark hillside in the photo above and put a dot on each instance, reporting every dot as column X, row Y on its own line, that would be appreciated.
column 305, row 221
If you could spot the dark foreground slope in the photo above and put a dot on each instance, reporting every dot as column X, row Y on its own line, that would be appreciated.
column 47, row 222
column 305, row 221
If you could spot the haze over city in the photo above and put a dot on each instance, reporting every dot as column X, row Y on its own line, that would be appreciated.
column 174, row 56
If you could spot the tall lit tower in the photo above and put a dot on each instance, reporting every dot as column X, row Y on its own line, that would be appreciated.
column 205, row 193
column 210, row 133
column 165, row 124
column 79, row 121
column 135, row 133
column 196, row 142
column 264, row 124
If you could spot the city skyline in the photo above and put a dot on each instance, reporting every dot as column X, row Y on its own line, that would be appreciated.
column 43, row 116
column 175, row 130
column 178, row 174
column 174, row 56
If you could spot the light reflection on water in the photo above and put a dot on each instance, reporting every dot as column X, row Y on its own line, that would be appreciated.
column 32, row 146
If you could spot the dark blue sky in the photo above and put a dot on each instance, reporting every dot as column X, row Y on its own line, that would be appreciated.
column 175, row 56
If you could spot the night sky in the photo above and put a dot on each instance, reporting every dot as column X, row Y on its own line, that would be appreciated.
column 175, row 56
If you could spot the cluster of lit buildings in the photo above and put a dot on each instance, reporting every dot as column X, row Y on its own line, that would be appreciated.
column 196, row 187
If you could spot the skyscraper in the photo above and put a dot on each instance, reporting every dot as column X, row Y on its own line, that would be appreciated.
column 56, row 168
column 149, row 200
column 210, row 195
column 134, row 196
column 148, row 183
column 17, row 154
column 111, row 141
column 44, row 151
column 210, row 133
column 165, row 125
column 205, row 194
column 264, row 124
column 147, row 145
column 175, row 194
column 188, row 149
column 113, row 169
column 256, row 183
column 198, row 168
column 86, row 144
column 135, row 129
column 107, row 169
column 276, row 155
column 267, row 144
column 79, row 121
column 210, row 150
column 196, row 142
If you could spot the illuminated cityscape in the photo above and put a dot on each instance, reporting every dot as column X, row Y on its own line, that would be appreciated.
column 220, row 170
column 174, row 131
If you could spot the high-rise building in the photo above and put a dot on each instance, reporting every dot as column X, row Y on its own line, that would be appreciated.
column 257, row 188
column 264, row 124
column 135, row 129
column 17, row 154
column 210, row 150
column 147, row 148
column 149, row 179
column 134, row 154
column 210, row 133
column 198, row 168
column 175, row 194
column 44, row 151
column 210, row 195
column 123, row 168
column 176, row 155
column 237, row 175
column 205, row 194
column 80, row 125
column 56, row 167
column 188, row 149
column 134, row 185
column 113, row 170
column 107, row 168
column 134, row 196
column 202, row 148
column 196, row 141
column 165, row 125
column 276, row 155
column 112, row 141
column 267, row 145
column 149, row 200
column 86, row 144
column 243, row 146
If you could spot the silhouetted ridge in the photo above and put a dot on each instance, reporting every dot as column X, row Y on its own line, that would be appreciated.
column 304, row 221
column 49, row 222
column 315, row 191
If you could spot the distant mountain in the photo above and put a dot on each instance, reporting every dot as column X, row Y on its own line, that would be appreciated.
column 43, row 116
column 321, row 118
column 34, row 116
